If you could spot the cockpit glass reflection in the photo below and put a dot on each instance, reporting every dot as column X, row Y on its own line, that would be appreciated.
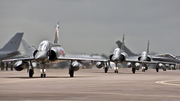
column 43, row 46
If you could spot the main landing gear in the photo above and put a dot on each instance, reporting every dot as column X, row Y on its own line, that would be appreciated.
column 31, row 70
column 157, row 69
column 106, row 67
column 71, row 71
column 133, row 70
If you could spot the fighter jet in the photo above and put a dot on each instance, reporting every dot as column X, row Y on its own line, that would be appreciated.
column 119, row 55
column 165, row 59
column 49, row 52
column 143, row 57
column 160, row 60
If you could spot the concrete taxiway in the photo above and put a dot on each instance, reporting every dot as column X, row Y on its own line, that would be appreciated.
column 91, row 84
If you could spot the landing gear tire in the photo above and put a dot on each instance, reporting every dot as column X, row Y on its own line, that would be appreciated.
column 133, row 70
column 146, row 68
column 164, row 69
column 157, row 69
column 43, row 75
column 105, row 69
column 31, row 72
column 116, row 71
column 143, row 70
column 71, row 73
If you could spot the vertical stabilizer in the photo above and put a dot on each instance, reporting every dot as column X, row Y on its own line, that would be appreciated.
column 14, row 43
column 148, row 47
column 56, row 33
column 29, row 50
column 122, row 46
column 127, row 50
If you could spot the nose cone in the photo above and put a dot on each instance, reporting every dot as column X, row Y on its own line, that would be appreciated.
column 41, row 56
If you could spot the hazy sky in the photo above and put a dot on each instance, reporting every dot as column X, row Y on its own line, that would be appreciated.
column 93, row 26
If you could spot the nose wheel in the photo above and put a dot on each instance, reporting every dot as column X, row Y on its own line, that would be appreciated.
column 43, row 75
column 116, row 71
column 143, row 69
column 43, row 71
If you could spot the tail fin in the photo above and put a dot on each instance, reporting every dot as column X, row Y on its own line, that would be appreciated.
column 148, row 47
column 56, row 33
column 29, row 50
column 14, row 43
column 123, row 47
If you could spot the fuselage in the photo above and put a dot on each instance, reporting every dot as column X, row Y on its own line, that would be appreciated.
column 116, row 54
column 143, row 56
column 47, row 50
column 166, row 59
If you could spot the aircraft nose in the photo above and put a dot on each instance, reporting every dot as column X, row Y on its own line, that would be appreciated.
column 41, row 56
column 143, row 58
column 115, row 58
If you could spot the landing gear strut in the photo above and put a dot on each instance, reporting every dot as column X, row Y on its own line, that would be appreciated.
column 116, row 68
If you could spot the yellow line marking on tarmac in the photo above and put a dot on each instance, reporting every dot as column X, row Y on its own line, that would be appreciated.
column 168, row 82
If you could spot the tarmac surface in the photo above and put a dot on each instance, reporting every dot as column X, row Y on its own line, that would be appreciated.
column 91, row 84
